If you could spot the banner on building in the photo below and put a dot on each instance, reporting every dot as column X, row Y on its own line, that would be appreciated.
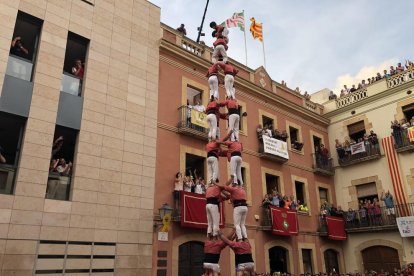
column 410, row 134
column 336, row 228
column 199, row 118
column 284, row 221
column 406, row 226
column 357, row 148
column 275, row 147
column 193, row 211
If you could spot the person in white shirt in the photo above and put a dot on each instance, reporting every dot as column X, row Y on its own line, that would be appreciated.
column 199, row 107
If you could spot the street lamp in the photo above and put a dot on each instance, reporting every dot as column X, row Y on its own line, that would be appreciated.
column 165, row 210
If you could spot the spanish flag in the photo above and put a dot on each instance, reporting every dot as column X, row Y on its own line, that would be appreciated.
column 256, row 29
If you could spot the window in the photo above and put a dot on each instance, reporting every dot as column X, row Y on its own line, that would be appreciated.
column 190, row 258
column 300, row 191
column 323, row 195
column 295, row 139
column 307, row 261
column 331, row 261
column 75, row 64
column 193, row 95
column 272, row 183
column 61, row 163
column 316, row 142
column 23, row 47
column 278, row 259
column 357, row 130
column 11, row 133
column 194, row 165
column 408, row 111
column 367, row 191
column 266, row 121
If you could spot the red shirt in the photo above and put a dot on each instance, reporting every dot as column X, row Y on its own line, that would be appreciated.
column 213, row 70
column 220, row 41
column 212, row 146
column 214, row 246
column 234, row 146
column 213, row 191
column 237, row 193
column 228, row 69
column 231, row 103
column 212, row 105
column 241, row 247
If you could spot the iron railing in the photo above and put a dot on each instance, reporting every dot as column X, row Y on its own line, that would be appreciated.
column 402, row 141
column 323, row 164
column 186, row 126
column 372, row 151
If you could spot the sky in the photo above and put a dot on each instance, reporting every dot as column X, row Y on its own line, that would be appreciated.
column 310, row 44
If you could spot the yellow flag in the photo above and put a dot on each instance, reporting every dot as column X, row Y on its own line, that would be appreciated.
column 256, row 29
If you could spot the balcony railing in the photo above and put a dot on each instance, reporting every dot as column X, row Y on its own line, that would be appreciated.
column 58, row 186
column 402, row 141
column 270, row 156
column 71, row 84
column 189, row 126
column 266, row 221
column 400, row 78
column 351, row 98
column 323, row 164
column 7, row 176
column 192, row 46
column 368, row 151
column 19, row 67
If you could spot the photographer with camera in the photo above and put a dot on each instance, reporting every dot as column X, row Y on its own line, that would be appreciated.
column 17, row 47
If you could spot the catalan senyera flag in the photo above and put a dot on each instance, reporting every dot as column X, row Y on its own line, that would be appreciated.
column 237, row 20
column 256, row 29
column 410, row 132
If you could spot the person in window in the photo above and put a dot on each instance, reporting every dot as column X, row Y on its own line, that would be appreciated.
column 77, row 69
column 374, row 141
column 182, row 29
column 389, row 203
column 57, row 145
column 17, row 48
column 2, row 158
column 64, row 168
column 178, row 187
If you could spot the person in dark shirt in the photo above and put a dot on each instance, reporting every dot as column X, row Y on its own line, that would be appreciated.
column 182, row 29
column 17, row 47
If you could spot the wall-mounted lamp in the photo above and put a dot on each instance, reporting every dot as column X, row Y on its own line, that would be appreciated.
column 165, row 215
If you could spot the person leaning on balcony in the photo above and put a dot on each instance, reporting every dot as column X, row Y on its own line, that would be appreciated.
column 57, row 145
column 373, row 138
column 324, row 155
column 332, row 95
column 353, row 89
column 378, row 77
column 77, row 69
column 178, row 187
column 64, row 169
column 182, row 29
column 389, row 203
column 392, row 70
column 386, row 75
column 399, row 68
column 17, row 47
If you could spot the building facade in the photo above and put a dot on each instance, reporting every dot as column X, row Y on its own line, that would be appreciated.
column 78, row 135
column 385, row 167
column 180, row 148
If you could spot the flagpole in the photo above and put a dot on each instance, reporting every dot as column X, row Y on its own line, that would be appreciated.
column 245, row 43
column 264, row 55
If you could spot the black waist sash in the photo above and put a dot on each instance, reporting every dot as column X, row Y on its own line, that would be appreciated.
column 237, row 203
column 211, row 258
column 236, row 153
column 212, row 153
column 244, row 258
column 213, row 200
column 211, row 111
column 233, row 111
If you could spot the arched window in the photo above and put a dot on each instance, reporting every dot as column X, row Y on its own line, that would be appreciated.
column 278, row 259
column 331, row 260
column 190, row 259
column 380, row 257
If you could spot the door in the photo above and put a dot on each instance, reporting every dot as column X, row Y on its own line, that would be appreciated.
column 380, row 257
column 278, row 259
column 331, row 261
column 190, row 259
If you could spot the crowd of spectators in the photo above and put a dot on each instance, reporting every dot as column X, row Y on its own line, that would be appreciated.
column 283, row 201
column 400, row 132
column 322, row 157
column 409, row 65
column 282, row 135
column 371, row 145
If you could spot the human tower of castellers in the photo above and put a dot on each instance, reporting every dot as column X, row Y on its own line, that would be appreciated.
column 233, row 189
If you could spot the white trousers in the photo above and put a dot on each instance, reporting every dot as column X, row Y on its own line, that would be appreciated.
column 212, row 126
column 212, row 169
column 219, row 50
column 235, row 169
column 214, row 86
column 213, row 219
column 239, row 220
column 228, row 85
column 213, row 267
column 234, row 121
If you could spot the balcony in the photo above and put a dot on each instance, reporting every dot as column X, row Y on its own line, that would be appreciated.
column 266, row 221
column 400, row 79
column 71, row 84
column 366, row 152
column 273, row 150
column 58, row 186
column 190, row 124
column 323, row 165
column 19, row 68
column 7, row 175
column 352, row 98
column 402, row 141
